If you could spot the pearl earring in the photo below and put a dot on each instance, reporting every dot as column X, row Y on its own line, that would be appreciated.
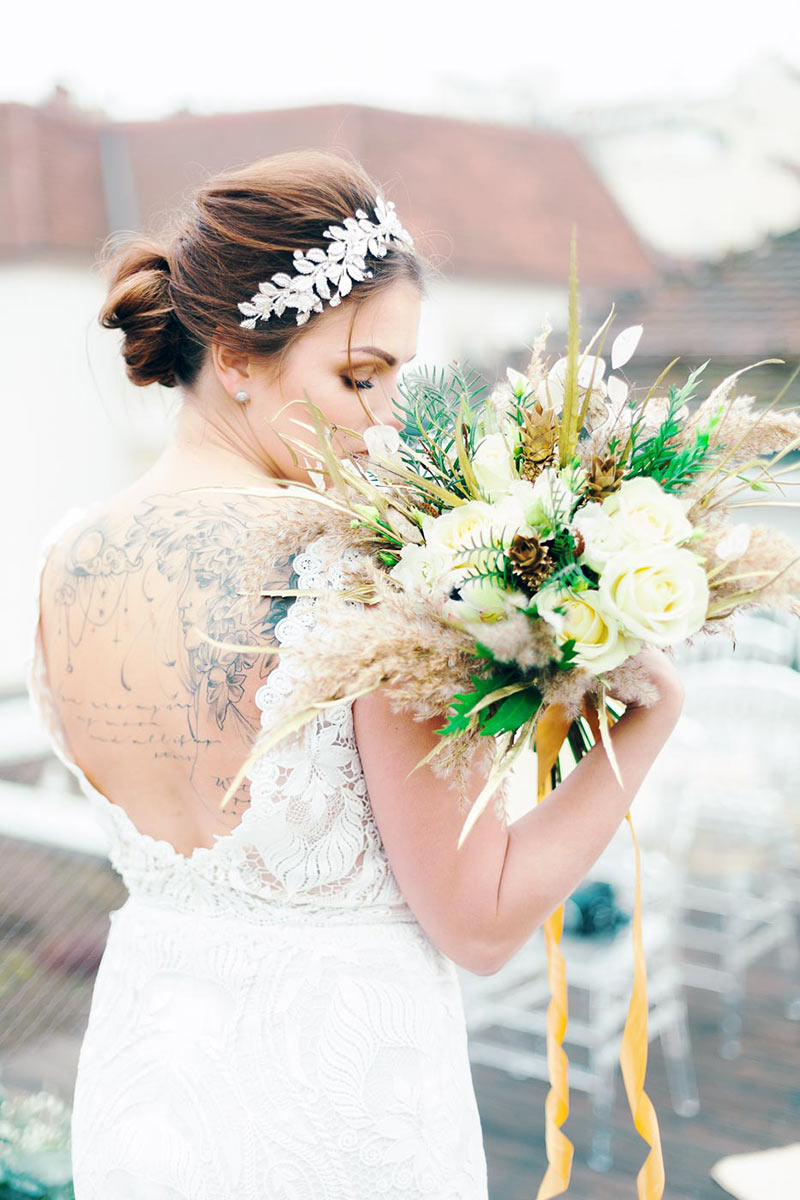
column 242, row 397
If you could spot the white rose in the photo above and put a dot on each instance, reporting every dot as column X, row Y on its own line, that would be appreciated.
column 521, row 493
column 645, row 514
column 640, row 513
column 451, row 529
column 658, row 592
column 600, row 643
column 602, row 537
column 474, row 524
column 422, row 570
column 493, row 465
column 508, row 516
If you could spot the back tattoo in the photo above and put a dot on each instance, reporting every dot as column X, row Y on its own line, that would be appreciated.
column 174, row 574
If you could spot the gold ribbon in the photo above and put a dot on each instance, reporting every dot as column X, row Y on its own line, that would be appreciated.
column 551, row 732
column 633, row 1049
column 633, row 1055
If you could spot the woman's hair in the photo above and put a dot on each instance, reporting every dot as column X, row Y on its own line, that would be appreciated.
column 172, row 296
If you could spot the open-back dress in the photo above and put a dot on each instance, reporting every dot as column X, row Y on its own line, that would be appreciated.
column 269, row 1021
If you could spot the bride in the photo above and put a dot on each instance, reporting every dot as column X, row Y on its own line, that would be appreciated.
column 277, row 1014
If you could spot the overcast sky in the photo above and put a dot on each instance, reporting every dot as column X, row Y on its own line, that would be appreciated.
column 151, row 58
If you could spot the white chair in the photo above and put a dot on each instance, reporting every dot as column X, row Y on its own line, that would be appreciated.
column 506, row 1013
column 732, row 760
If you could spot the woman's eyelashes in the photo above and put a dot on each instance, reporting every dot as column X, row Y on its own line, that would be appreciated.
column 358, row 383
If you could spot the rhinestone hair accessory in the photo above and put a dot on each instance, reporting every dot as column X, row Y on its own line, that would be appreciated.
column 340, row 264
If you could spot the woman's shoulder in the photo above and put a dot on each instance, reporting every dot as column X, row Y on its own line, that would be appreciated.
column 223, row 548
column 161, row 522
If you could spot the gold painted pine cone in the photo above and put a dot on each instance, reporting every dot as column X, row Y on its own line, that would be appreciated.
column 603, row 478
column 531, row 562
column 538, row 437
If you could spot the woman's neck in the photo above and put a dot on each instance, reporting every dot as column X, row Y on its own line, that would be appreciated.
column 207, row 453
column 208, row 464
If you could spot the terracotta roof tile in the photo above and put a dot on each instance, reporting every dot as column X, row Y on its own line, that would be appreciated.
column 745, row 306
column 486, row 200
column 53, row 189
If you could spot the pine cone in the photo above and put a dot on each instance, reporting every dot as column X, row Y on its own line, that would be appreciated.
column 603, row 478
column 531, row 562
column 538, row 437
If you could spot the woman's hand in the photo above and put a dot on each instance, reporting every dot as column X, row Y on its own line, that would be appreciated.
column 662, row 671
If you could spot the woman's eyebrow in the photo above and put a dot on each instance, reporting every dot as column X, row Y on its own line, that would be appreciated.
column 390, row 358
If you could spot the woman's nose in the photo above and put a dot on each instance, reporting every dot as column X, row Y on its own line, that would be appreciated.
column 382, row 408
column 391, row 422
column 386, row 415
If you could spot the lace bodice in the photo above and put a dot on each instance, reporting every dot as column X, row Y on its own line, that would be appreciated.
column 306, row 849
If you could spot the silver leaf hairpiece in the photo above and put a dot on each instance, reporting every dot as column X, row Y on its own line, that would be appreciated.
column 341, row 264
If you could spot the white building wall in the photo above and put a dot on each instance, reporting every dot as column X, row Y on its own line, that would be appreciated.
column 75, row 428
column 478, row 320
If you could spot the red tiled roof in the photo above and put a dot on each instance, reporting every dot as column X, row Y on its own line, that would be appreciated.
column 498, row 201
column 52, row 190
column 486, row 200
column 743, row 306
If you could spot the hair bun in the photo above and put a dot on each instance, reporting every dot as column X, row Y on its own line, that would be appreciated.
column 139, row 303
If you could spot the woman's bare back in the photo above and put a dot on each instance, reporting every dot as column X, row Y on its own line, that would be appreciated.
column 158, row 718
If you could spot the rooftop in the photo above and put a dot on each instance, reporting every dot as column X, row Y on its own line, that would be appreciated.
column 488, row 200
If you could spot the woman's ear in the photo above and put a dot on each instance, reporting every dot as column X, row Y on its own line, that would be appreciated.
column 232, row 367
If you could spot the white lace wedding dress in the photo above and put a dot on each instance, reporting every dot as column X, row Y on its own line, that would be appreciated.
column 269, row 1020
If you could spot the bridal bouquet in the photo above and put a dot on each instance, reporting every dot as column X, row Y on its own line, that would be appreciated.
column 512, row 555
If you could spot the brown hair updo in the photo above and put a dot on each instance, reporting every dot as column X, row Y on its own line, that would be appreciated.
column 172, row 296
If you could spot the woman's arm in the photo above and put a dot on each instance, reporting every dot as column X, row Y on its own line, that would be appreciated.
column 481, row 902
column 551, row 848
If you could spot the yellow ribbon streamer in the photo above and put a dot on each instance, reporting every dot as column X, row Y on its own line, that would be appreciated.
column 633, row 1055
column 551, row 732
column 633, row 1049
